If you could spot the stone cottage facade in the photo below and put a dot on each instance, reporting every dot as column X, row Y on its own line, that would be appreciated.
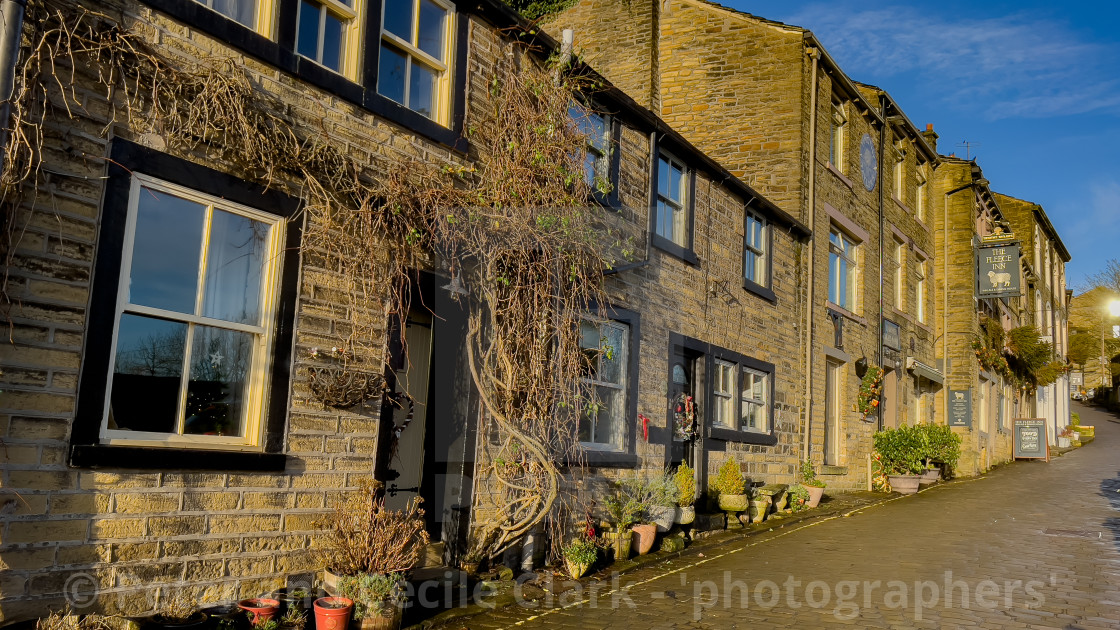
column 130, row 478
column 766, row 99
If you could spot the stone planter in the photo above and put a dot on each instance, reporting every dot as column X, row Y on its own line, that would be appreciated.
column 663, row 517
column 733, row 502
column 644, row 536
column 686, row 515
column 1063, row 442
column 576, row 569
column 904, row 484
column 758, row 509
column 932, row 475
column 815, row 495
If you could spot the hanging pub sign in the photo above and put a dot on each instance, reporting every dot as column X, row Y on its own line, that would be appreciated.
column 960, row 408
column 997, row 270
column 1031, row 441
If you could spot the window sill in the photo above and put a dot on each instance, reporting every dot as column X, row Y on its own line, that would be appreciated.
column 759, row 290
column 605, row 459
column 154, row 458
column 671, row 248
column 833, row 470
column 746, row 437
column 902, row 314
column 843, row 178
column 846, row 313
column 899, row 202
column 924, row 326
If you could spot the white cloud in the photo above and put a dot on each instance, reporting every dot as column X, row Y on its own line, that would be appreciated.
column 1024, row 65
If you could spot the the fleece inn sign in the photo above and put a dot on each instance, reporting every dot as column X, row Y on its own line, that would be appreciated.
column 997, row 270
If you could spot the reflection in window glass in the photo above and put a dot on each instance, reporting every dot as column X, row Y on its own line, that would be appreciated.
column 146, row 374
column 398, row 18
column 603, row 412
column 307, row 33
column 165, row 251
column 235, row 264
column 390, row 76
column 243, row 11
column 422, row 92
column 430, row 39
column 216, row 392
column 414, row 55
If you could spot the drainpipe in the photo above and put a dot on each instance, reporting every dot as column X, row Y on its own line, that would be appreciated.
column 815, row 55
column 11, row 28
column 882, row 162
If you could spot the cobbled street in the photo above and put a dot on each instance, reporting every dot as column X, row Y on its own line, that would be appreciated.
column 1029, row 545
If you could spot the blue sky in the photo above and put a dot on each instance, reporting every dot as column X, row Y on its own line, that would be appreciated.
column 1034, row 85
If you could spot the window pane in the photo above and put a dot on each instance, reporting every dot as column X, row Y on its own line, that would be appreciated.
column 614, row 354
column 663, row 177
column 147, row 374
column 307, row 34
column 243, row 11
column 165, row 251
column 675, row 175
column 398, row 18
column 748, row 265
column 216, row 392
column 422, row 91
column 590, row 163
column 390, row 74
column 663, row 225
column 431, row 28
column 680, row 227
column 332, row 42
column 833, row 277
column 234, row 267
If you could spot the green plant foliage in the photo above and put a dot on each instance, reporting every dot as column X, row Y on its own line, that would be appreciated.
column 730, row 479
column 661, row 489
column 536, row 9
column 1075, row 419
column 582, row 551
column 798, row 498
column 686, row 485
column 373, row 594
column 870, row 391
column 941, row 443
column 902, row 450
column 624, row 505
column 807, row 476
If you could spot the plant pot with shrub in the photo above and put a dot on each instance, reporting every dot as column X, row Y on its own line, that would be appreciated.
column 902, row 452
column 579, row 556
column 685, row 479
column 624, row 508
column 808, row 479
column 798, row 498
column 260, row 609
column 371, row 550
column 660, row 494
column 732, row 488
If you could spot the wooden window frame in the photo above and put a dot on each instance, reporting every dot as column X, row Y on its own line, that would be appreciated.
column 444, row 68
column 850, row 257
column 760, row 251
column 353, row 42
column 623, row 387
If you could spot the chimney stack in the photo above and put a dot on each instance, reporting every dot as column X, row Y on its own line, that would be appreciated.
column 931, row 137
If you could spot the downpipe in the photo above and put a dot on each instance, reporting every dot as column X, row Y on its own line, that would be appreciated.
column 11, row 30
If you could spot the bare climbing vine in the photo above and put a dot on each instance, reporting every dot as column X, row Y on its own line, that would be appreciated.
column 510, row 224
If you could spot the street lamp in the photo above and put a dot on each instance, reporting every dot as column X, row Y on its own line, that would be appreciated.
column 1114, row 308
column 1106, row 371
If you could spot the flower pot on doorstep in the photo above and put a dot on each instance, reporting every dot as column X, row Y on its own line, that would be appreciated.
column 576, row 569
column 733, row 502
column 644, row 535
column 932, row 475
column 333, row 613
column 1063, row 442
column 904, row 484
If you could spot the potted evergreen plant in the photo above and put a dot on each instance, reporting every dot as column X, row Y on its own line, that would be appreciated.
column 623, row 510
column 685, row 479
column 661, row 490
column 813, row 486
column 901, row 451
column 579, row 555
column 731, row 487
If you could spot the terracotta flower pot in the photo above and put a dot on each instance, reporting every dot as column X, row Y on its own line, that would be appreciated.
column 904, row 484
column 645, row 535
column 733, row 502
column 260, row 608
column 815, row 495
column 333, row 613
column 686, row 515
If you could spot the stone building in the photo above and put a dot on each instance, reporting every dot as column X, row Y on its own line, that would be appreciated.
column 1045, row 299
column 105, row 476
column 768, row 101
column 1089, row 316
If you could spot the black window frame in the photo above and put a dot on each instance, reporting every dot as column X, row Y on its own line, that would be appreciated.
column 686, row 254
column 765, row 291
column 86, row 449
column 281, row 54
column 628, row 456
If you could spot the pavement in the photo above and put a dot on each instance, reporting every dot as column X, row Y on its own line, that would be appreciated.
column 1029, row 545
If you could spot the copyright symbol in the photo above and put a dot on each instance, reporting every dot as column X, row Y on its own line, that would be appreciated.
column 80, row 590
